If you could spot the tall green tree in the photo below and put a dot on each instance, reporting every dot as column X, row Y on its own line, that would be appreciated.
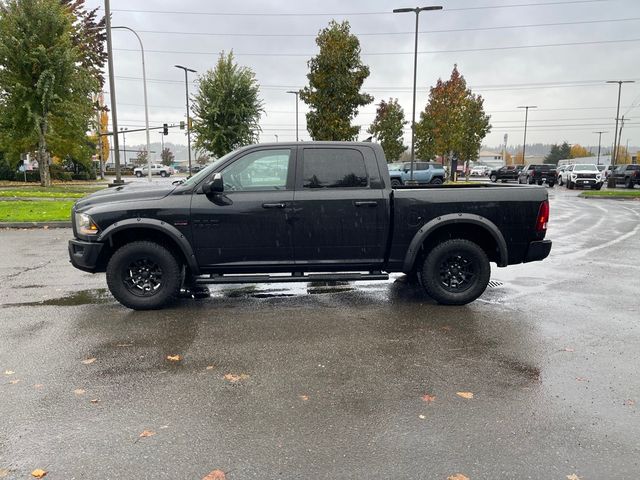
column 167, row 156
column 335, row 78
column 558, row 152
column 227, row 107
column 453, row 122
column 46, row 79
column 387, row 128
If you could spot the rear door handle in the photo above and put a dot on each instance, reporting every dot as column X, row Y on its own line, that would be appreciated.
column 366, row 204
column 273, row 205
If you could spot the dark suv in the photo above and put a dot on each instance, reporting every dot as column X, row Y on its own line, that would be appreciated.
column 540, row 174
column 508, row 172
column 627, row 175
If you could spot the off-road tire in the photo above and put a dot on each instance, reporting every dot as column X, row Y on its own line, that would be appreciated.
column 570, row 185
column 139, row 174
column 395, row 183
column 628, row 183
column 436, row 181
column 457, row 250
column 119, row 273
column 163, row 174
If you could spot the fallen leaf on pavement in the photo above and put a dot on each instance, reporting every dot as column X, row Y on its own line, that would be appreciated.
column 467, row 395
column 216, row 475
column 458, row 476
column 573, row 476
column 174, row 358
column 210, row 367
column 88, row 361
column 147, row 433
column 428, row 398
column 421, row 417
column 38, row 386
column 79, row 391
column 569, row 349
column 4, row 472
column 38, row 473
column 303, row 397
column 124, row 345
column 13, row 382
column 582, row 379
column 95, row 400
column 9, row 372
column 445, row 328
column 233, row 378
column 629, row 403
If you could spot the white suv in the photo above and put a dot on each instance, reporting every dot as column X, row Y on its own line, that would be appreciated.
column 156, row 169
column 583, row 175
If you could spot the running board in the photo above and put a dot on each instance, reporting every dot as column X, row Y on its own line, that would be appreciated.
column 318, row 277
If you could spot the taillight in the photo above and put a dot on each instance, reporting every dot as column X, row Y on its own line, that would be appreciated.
column 543, row 217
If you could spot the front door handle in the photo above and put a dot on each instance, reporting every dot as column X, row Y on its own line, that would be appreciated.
column 273, row 205
column 366, row 204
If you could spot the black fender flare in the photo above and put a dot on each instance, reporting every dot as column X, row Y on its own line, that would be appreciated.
column 452, row 218
column 159, row 225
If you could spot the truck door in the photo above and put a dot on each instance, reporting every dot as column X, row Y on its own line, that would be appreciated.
column 341, row 212
column 247, row 225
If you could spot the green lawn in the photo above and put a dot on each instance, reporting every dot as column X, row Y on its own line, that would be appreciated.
column 617, row 193
column 39, row 194
column 43, row 211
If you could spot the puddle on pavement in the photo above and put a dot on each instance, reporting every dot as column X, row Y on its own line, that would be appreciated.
column 329, row 287
column 83, row 297
column 290, row 290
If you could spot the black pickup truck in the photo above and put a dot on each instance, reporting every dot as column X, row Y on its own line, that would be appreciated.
column 290, row 212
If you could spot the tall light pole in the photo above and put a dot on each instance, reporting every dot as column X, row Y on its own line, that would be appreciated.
column 599, row 142
column 124, row 144
column 112, row 94
column 296, row 94
column 614, row 158
column 417, row 11
column 186, row 86
column 526, row 118
column 146, row 104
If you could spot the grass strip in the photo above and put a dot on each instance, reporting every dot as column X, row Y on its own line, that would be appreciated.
column 617, row 193
column 35, row 211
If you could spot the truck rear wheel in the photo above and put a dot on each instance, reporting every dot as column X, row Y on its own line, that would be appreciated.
column 395, row 182
column 456, row 272
column 436, row 181
column 493, row 178
column 144, row 276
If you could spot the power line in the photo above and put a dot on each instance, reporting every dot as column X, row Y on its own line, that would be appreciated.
column 364, row 54
column 425, row 32
column 345, row 14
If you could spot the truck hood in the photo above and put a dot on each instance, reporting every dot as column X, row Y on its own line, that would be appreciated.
column 125, row 193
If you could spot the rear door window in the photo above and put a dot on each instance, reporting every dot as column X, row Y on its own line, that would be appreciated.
column 333, row 168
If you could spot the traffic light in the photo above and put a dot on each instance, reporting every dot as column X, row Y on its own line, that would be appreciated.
column 182, row 125
column 165, row 129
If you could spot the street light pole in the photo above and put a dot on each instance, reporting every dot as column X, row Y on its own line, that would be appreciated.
column 417, row 11
column 296, row 94
column 599, row 142
column 526, row 118
column 186, row 86
column 146, row 104
column 614, row 158
column 124, row 144
column 112, row 94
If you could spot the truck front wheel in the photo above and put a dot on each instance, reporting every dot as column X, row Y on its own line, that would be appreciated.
column 144, row 276
column 456, row 272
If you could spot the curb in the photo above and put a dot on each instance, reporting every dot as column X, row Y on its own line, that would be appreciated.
column 620, row 197
column 35, row 224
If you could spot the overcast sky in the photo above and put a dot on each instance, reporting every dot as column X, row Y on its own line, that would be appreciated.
column 276, row 38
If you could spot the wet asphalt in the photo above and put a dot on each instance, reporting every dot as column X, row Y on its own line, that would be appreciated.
column 353, row 381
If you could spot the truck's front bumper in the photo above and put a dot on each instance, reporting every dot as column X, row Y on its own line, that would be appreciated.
column 84, row 255
column 538, row 251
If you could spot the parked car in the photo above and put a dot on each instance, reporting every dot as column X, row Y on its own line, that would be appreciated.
column 156, row 169
column 538, row 174
column 607, row 171
column 478, row 171
column 583, row 175
column 423, row 173
column 627, row 175
column 508, row 172
column 334, row 211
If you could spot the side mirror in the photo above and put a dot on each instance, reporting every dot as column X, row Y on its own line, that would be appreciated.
column 216, row 185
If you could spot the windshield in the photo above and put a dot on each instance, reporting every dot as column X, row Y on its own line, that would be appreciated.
column 194, row 179
column 585, row 168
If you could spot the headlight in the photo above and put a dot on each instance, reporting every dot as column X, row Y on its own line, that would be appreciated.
column 573, row 176
column 598, row 176
column 85, row 224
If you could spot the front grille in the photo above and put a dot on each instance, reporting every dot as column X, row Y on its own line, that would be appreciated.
column 587, row 175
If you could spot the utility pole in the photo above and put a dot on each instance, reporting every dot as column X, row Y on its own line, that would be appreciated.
column 112, row 94
column 614, row 159
column 504, row 150
column 599, row 142
column 526, row 117
column 620, row 138
column 417, row 11
column 296, row 94
column 186, row 86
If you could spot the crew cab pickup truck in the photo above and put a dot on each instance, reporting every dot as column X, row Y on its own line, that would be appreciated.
column 156, row 169
column 627, row 175
column 540, row 174
column 300, row 212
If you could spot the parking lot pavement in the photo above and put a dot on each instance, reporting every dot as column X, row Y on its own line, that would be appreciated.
column 349, row 381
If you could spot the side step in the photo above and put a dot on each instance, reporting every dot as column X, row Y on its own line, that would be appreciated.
column 296, row 277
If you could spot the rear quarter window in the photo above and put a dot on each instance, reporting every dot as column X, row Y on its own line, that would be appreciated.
column 333, row 168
